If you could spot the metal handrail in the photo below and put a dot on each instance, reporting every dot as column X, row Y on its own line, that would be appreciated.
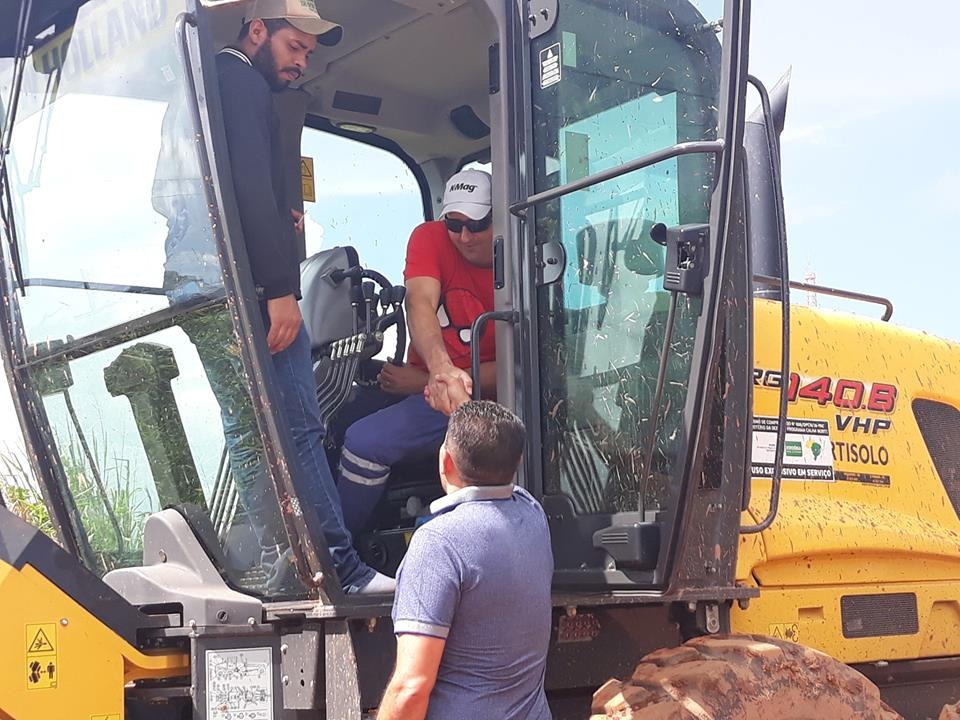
column 476, row 335
column 773, row 150
column 714, row 147
column 97, row 286
column 833, row 292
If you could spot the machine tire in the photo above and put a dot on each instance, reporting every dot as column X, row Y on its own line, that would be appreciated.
column 746, row 677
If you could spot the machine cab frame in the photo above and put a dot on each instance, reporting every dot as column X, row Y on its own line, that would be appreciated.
column 603, row 120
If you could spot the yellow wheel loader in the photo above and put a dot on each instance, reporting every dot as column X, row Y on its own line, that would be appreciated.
column 757, row 500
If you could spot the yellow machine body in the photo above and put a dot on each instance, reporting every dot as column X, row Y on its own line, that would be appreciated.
column 866, row 530
column 59, row 661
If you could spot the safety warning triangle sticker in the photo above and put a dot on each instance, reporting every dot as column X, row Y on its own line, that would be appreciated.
column 40, row 643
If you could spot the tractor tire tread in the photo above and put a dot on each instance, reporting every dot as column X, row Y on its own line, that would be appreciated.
column 744, row 677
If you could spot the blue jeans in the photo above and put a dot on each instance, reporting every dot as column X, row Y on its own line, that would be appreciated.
column 294, row 372
column 212, row 334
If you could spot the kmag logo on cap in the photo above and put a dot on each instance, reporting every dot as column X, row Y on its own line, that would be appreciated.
column 468, row 192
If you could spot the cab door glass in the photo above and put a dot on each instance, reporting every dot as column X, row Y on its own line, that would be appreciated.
column 125, row 338
column 113, row 221
column 615, row 80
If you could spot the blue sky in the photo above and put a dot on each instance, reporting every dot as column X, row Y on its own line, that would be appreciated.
column 871, row 149
column 871, row 158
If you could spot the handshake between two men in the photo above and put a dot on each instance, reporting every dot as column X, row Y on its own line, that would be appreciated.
column 448, row 276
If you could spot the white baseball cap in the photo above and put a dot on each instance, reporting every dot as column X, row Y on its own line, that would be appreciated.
column 468, row 192
column 302, row 14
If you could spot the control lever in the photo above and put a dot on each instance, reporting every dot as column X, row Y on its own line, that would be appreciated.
column 338, row 275
column 356, row 297
column 392, row 295
column 369, row 298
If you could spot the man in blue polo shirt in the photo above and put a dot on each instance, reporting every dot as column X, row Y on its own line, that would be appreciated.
column 472, row 609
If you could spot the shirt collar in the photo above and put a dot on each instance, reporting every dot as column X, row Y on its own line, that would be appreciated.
column 471, row 493
column 236, row 53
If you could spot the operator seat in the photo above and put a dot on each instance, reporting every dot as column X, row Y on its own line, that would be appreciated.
column 345, row 318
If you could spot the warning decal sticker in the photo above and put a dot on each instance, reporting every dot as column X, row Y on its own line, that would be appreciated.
column 41, row 657
column 785, row 631
column 550, row 66
column 306, row 179
column 41, row 641
column 807, row 452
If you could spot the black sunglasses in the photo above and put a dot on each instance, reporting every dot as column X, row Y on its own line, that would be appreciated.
column 474, row 226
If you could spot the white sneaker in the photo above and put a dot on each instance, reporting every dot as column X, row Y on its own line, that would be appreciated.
column 379, row 584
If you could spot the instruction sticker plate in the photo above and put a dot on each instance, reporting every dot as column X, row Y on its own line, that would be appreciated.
column 240, row 684
column 807, row 452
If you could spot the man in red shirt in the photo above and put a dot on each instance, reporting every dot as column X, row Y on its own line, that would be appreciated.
column 449, row 281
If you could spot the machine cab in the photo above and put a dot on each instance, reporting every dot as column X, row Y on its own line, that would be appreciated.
column 133, row 335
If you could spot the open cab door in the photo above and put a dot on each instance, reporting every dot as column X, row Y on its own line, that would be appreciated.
column 632, row 292
column 127, row 315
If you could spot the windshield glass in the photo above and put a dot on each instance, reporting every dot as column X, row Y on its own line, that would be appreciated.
column 616, row 80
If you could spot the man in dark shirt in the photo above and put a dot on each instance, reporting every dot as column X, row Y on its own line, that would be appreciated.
column 271, row 52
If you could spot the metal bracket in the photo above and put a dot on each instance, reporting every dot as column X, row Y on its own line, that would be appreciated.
column 712, row 616
column 688, row 251
column 541, row 17
column 301, row 675
column 552, row 262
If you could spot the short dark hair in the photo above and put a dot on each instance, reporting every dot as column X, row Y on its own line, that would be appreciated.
column 486, row 442
column 272, row 25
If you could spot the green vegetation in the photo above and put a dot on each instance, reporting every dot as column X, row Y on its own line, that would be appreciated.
column 112, row 518
column 20, row 492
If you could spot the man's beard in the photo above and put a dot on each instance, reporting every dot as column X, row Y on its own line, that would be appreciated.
column 264, row 61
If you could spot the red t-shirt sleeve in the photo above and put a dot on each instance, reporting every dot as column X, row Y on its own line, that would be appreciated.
column 423, row 253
